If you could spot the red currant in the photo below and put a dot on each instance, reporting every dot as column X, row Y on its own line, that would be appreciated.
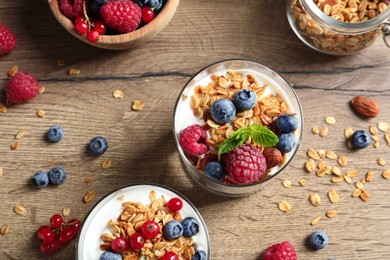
column 93, row 36
column 66, row 235
column 56, row 221
column 46, row 234
column 170, row 256
column 147, row 14
column 136, row 241
column 150, row 229
column 74, row 224
column 100, row 27
column 175, row 204
column 47, row 248
column 81, row 26
column 118, row 245
column 56, row 244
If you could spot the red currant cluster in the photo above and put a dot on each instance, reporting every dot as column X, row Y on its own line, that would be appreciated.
column 149, row 230
column 91, row 29
column 58, row 234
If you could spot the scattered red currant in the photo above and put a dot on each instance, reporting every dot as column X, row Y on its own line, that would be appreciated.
column 100, row 27
column 118, row 245
column 56, row 221
column 150, row 229
column 47, row 248
column 65, row 235
column 170, row 256
column 81, row 26
column 93, row 36
column 136, row 241
column 147, row 14
column 175, row 204
column 74, row 224
column 46, row 234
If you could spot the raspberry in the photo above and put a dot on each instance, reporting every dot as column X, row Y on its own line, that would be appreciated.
column 7, row 40
column 22, row 87
column 72, row 8
column 246, row 164
column 282, row 251
column 191, row 140
column 121, row 15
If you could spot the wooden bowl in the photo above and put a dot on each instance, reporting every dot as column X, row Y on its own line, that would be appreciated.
column 126, row 40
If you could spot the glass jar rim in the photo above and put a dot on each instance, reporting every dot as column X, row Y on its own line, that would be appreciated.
column 343, row 27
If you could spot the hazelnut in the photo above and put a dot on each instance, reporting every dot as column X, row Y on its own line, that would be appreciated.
column 272, row 156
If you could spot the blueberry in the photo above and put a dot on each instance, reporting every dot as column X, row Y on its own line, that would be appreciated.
column 101, row 2
column 245, row 99
column 360, row 139
column 41, row 179
column 190, row 227
column 141, row 2
column 173, row 230
column 57, row 175
column 318, row 240
column 97, row 146
column 55, row 133
column 287, row 123
column 110, row 256
column 95, row 7
column 215, row 170
column 286, row 142
column 199, row 255
column 156, row 5
column 223, row 111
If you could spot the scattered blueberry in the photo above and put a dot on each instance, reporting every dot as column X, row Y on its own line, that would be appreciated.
column 287, row 123
column 41, row 179
column 57, row 175
column 360, row 139
column 153, row 3
column 190, row 227
column 318, row 240
column 199, row 255
column 173, row 230
column 223, row 111
column 55, row 133
column 141, row 2
column 110, row 256
column 97, row 146
column 245, row 99
column 286, row 142
column 215, row 170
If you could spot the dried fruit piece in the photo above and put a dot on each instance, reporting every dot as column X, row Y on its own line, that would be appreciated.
column 315, row 199
column 284, row 206
column 316, row 221
column 333, row 196
column 365, row 107
column 20, row 210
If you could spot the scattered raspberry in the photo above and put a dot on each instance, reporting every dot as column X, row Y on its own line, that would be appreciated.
column 7, row 40
column 282, row 251
column 246, row 164
column 192, row 139
column 72, row 8
column 22, row 87
column 121, row 15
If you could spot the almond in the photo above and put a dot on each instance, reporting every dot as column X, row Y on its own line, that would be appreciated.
column 365, row 107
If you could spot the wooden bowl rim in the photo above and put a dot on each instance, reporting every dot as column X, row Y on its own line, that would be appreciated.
column 166, row 13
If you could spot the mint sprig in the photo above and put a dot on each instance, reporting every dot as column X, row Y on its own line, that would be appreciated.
column 259, row 134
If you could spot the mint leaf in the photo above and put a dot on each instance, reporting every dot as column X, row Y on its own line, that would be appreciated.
column 238, row 138
column 262, row 135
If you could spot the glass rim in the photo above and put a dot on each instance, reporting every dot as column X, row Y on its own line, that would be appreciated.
column 343, row 27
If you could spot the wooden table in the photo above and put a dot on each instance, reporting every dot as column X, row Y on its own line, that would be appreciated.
column 142, row 147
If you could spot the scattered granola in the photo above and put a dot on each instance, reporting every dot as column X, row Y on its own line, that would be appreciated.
column 287, row 183
column 88, row 180
column 137, row 105
column 331, row 213
column 381, row 162
column 316, row 221
column 284, row 206
column 386, row 174
column 315, row 199
column 3, row 109
column 330, row 120
column 41, row 89
column 66, row 211
column 20, row 133
column 60, row 63
column 12, row 71
column 333, row 196
column 20, row 210
column 73, row 72
column 106, row 164
column 89, row 196
column 15, row 146
column 40, row 113
column 4, row 230
column 117, row 94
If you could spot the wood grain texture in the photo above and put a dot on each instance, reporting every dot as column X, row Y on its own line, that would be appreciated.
column 201, row 32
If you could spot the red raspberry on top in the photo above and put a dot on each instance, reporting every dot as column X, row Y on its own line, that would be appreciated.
column 72, row 8
column 281, row 251
column 121, row 15
column 22, row 87
column 191, row 140
column 7, row 40
column 246, row 164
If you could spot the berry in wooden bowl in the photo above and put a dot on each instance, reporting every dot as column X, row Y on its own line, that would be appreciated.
column 237, row 124
column 114, row 24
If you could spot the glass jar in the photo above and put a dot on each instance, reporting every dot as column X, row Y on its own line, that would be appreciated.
column 339, row 27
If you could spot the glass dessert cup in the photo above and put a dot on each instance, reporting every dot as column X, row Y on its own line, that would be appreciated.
column 184, row 117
